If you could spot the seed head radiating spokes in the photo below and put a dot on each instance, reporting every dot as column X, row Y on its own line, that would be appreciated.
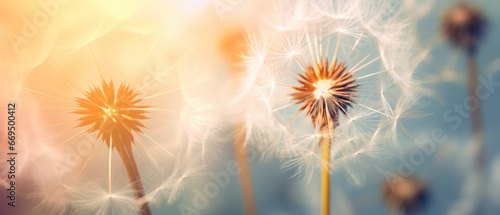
column 112, row 115
column 325, row 88
column 332, row 83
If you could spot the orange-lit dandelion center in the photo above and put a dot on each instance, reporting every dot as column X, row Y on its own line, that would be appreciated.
column 113, row 115
column 325, row 91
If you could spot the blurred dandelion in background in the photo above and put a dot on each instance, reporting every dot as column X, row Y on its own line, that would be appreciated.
column 219, row 34
column 405, row 195
column 233, row 46
column 459, row 36
column 334, row 82
column 464, row 26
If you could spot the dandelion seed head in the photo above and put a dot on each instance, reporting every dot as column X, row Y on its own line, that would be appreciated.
column 112, row 113
column 325, row 91
column 405, row 195
column 464, row 26
column 117, row 114
column 345, row 66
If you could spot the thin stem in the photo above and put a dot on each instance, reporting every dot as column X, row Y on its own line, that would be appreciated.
column 135, row 180
column 476, row 118
column 325, row 142
column 245, row 177
column 110, row 158
column 240, row 137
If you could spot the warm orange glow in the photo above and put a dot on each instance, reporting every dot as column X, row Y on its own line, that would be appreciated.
column 113, row 115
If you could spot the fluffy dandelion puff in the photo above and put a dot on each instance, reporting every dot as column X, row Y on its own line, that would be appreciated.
column 111, row 124
column 340, row 74
column 333, row 88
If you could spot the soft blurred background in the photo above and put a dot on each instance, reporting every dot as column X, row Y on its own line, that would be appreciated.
column 447, row 172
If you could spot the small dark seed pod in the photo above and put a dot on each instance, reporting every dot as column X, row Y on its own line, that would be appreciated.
column 464, row 26
column 405, row 195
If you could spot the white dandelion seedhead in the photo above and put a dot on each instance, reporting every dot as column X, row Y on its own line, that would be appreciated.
column 348, row 66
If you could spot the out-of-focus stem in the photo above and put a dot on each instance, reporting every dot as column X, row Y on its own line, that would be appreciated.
column 325, row 143
column 135, row 180
column 232, row 47
column 476, row 118
column 245, row 177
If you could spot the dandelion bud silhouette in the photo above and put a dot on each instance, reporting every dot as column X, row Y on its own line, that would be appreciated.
column 405, row 195
column 464, row 26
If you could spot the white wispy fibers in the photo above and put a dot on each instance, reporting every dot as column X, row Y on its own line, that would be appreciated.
column 75, row 98
column 295, row 96
column 212, row 79
column 214, row 82
column 207, row 86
